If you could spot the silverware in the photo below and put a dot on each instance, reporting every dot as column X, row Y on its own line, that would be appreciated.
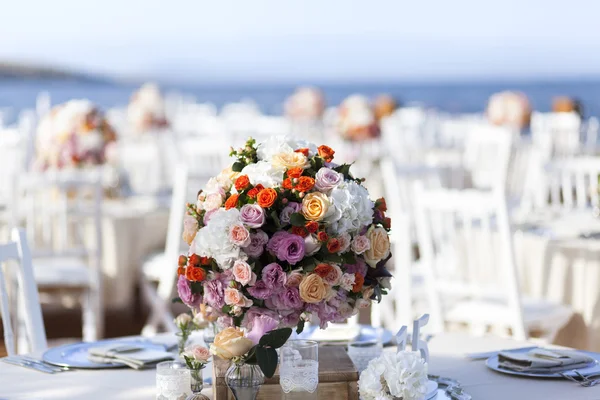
column 488, row 354
column 29, row 364
column 584, row 380
column 57, row 368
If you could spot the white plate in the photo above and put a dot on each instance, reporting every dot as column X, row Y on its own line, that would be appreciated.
column 366, row 333
column 76, row 355
column 592, row 368
column 432, row 390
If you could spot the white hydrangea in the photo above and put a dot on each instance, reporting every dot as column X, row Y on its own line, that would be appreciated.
column 352, row 208
column 213, row 239
column 265, row 173
column 394, row 375
column 282, row 144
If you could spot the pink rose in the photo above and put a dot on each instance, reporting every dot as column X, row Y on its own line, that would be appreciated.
column 344, row 240
column 234, row 297
column 252, row 215
column 242, row 273
column 198, row 353
column 239, row 235
column 347, row 281
column 360, row 244
column 212, row 201
column 334, row 275
column 294, row 278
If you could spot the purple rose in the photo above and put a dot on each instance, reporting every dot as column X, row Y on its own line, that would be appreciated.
column 255, row 312
column 360, row 267
column 260, row 290
column 290, row 298
column 273, row 276
column 252, row 215
column 291, row 208
column 261, row 325
column 287, row 247
column 324, row 312
column 327, row 179
column 257, row 244
column 291, row 319
column 186, row 295
column 214, row 293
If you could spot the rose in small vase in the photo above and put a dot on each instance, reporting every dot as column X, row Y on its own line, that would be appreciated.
column 196, row 358
column 185, row 324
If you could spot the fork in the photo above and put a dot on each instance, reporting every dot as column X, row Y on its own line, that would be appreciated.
column 53, row 367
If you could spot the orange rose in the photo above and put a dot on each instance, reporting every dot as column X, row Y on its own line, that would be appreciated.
column 266, row 197
column 287, row 184
column 242, row 183
column 182, row 260
column 305, row 183
column 381, row 205
column 359, row 281
column 252, row 193
column 312, row 226
column 303, row 150
column 194, row 259
column 322, row 236
column 231, row 202
column 326, row 153
column 333, row 245
column 195, row 274
column 294, row 172
column 323, row 270
column 180, row 270
column 300, row 231
column 205, row 260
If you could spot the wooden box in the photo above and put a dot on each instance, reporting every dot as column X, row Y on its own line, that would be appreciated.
column 338, row 378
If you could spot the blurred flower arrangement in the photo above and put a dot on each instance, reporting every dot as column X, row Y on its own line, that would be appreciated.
column 305, row 104
column 146, row 109
column 356, row 119
column 281, row 237
column 509, row 108
column 401, row 375
column 73, row 135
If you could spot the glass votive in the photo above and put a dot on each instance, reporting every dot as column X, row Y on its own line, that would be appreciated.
column 173, row 381
column 299, row 369
column 362, row 352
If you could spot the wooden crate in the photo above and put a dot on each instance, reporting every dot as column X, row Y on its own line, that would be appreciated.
column 338, row 378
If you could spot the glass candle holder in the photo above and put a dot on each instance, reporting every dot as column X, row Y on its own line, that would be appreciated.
column 362, row 352
column 173, row 381
column 299, row 369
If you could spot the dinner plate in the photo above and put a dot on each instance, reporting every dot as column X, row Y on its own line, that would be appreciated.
column 365, row 333
column 592, row 368
column 76, row 355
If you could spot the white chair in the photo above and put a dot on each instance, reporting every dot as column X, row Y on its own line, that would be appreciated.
column 572, row 183
column 62, row 213
column 558, row 133
column 159, row 270
column 30, row 314
column 470, row 273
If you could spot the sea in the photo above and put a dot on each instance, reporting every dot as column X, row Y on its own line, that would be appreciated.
column 457, row 97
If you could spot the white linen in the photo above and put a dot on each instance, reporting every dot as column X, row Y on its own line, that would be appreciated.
column 447, row 359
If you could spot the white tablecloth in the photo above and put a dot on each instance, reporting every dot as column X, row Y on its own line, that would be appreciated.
column 447, row 359
column 557, row 264
column 132, row 228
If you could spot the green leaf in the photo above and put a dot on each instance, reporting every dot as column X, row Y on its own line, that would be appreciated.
column 267, row 360
column 297, row 219
column 308, row 264
column 349, row 258
column 196, row 287
column 226, row 309
column 176, row 300
column 300, row 327
column 334, row 258
column 237, row 166
column 276, row 219
column 275, row 338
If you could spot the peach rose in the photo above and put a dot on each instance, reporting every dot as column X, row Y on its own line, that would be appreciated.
column 239, row 235
column 242, row 272
column 315, row 206
column 380, row 245
column 290, row 160
column 212, row 201
column 313, row 289
column 190, row 228
column 234, row 297
column 230, row 343
column 198, row 353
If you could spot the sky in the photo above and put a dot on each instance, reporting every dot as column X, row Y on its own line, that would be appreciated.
column 307, row 40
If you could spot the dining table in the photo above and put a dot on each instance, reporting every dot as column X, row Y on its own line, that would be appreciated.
column 447, row 359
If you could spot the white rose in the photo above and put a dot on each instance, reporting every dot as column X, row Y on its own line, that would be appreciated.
column 183, row 320
column 264, row 173
column 347, row 281
column 311, row 245
column 360, row 244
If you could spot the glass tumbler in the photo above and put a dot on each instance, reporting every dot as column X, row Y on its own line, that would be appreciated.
column 173, row 381
column 362, row 352
column 299, row 369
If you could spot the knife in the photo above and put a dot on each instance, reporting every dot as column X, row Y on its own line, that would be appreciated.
column 486, row 355
column 29, row 364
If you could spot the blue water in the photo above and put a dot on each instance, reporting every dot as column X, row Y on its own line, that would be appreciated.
column 453, row 97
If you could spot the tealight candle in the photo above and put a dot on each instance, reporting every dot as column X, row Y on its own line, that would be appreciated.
column 173, row 381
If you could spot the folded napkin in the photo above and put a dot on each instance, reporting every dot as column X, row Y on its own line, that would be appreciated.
column 543, row 360
column 132, row 355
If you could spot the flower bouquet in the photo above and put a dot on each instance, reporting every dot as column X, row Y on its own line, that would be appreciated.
column 356, row 119
column 73, row 135
column 146, row 109
column 305, row 104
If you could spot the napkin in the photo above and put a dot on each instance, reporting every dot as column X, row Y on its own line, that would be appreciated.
column 543, row 360
column 133, row 356
column 336, row 333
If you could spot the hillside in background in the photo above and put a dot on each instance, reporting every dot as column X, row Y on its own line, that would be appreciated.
column 16, row 70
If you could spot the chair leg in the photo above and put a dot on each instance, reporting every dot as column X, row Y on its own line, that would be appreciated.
column 93, row 316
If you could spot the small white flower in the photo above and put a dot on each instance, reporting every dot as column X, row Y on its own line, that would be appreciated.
column 347, row 281
column 183, row 320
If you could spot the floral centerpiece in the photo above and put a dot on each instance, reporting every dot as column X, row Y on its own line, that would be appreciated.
column 146, row 109
column 73, row 135
column 305, row 104
column 391, row 376
column 356, row 119
column 196, row 358
column 509, row 108
column 284, row 236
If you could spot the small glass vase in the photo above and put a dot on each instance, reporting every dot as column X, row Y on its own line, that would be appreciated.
column 244, row 380
column 182, row 341
column 197, row 384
